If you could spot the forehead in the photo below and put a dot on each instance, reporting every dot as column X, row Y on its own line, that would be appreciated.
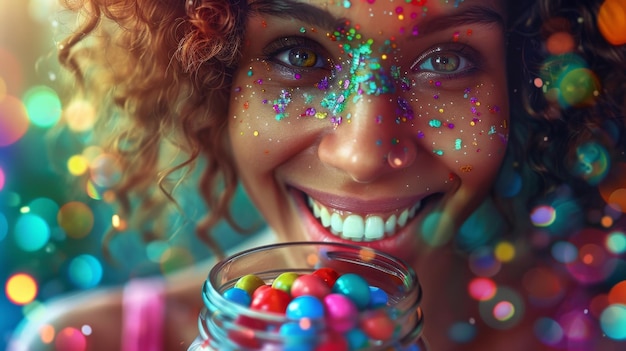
column 422, row 15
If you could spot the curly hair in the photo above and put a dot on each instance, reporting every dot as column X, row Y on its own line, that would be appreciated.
column 158, row 72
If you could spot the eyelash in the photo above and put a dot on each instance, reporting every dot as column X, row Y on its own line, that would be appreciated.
column 468, row 57
column 278, row 51
column 282, row 47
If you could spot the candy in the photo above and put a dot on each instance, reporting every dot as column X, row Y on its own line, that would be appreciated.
column 271, row 300
column 305, row 306
column 238, row 295
column 355, row 287
column 341, row 311
column 322, row 311
column 310, row 284
column 249, row 283
column 328, row 275
column 284, row 281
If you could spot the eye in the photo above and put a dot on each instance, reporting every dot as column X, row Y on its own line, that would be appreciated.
column 446, row 62
column 297, row 53
column 300, row 57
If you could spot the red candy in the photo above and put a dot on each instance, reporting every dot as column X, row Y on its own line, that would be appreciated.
column 328, row 275
column 271, row 300
column 310, row 284
column 377, row 325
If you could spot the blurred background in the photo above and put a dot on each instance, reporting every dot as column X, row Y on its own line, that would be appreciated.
column 50, row 235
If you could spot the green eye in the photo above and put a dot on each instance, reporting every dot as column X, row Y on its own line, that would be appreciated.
column 444, row 63
column 301, row 57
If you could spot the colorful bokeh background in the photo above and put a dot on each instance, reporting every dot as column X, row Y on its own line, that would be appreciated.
column 51, row 235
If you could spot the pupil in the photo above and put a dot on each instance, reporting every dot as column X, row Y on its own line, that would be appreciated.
column 301, row 58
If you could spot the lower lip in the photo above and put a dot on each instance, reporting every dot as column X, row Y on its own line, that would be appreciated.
column 402, row 244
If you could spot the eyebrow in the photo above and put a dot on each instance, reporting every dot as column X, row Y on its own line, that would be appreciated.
column 318, row 17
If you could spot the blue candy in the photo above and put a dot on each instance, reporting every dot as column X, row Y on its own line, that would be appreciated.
column 238, row 296
column 355, row 288
column 378, row 297
column 305, row 306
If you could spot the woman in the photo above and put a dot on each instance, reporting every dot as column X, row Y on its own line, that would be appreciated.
column 407, row 127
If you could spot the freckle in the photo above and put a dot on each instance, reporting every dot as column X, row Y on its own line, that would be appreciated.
column 246, row 105
column 266, row 151
column 264, row 24
column 440, row 110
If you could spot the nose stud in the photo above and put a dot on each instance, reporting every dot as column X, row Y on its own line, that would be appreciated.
column 400, row 156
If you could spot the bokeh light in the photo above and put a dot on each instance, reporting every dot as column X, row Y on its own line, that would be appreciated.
column 593, row 263
column 611, row 21
column 542, row 285
column 10, row 73
column 13, row 120
column 543, row 215
column 31, row 232
column 483, row 263
column 70, row 339
column 77, row 165
column 593, row 162
column 105, row 170
column 548, row 331
column 505, row 310
column 504, row 251
column 80, row 116
column 564, row 252
column 2, row 178
column 617, row 294
column 43, row 106
column 616, row 242
column 85, row 271
column 482, row 289
column 47, row 333
column 45, row 208
column 462, row 332
column 76, row 218
column 21, row 289
column 560, row 43
column 613, row 188
column 613, row 321
column 4, row 226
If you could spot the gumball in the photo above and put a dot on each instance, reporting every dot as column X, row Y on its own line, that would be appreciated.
column 305, row 306
column 260, row 289
column 297, row 337
column 355, row 287
column 249, row 283
column 612, row 21
column 378, row 297
column 271, row 300
column 243, row 335
column 377, row 324
column 238, row 296
column 328, row 275
column 357, row 339
column 333, row 342
column 284, row 281
column 341, row 312
column 309, row 284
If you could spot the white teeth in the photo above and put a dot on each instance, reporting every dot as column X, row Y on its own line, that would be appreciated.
column 354, row 227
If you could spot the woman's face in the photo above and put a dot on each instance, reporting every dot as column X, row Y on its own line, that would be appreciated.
column 377, row 122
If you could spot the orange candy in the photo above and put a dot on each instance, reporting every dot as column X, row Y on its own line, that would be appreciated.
column 612, row 21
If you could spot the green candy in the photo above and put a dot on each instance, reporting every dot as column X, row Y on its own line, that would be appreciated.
column 284, row 281
column 249, row 283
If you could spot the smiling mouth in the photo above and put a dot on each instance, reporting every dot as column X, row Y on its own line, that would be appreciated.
column 359, row 227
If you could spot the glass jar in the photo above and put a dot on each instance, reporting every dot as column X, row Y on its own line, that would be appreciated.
column 225, row 325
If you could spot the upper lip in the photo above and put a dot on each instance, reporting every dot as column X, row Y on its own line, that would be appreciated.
column 357, row 204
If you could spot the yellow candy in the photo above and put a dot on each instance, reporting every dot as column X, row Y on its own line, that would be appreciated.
column 612, row 21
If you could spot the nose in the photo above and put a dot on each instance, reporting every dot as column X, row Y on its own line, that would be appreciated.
column 375, row 141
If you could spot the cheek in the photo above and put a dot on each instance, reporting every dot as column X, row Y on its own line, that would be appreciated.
column 467, row 130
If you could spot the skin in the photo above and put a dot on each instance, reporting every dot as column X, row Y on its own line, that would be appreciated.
column 420, row 132
column 413, row 131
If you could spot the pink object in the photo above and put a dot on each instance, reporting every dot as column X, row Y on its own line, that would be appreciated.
column 309, row 284
column 143, row 315
column 341, row 312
